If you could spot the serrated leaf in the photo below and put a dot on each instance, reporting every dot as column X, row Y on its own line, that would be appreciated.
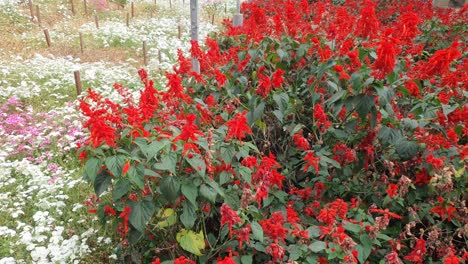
column 364, row 103
column 389, row 135
column 170, row 188
column 208, row 192
column 406, row 149
column 198, row 164
column 140, row 214
column 190, row 241
column 295, row 252
column 92, row 168
column 257, row 230
column 227, row 153
column 136, row 175
column 188, row 216
column 191, row 193
column 102, row 182
column 115, row 164
column 318, row 246
column 167, row 216
column 168, row 163
column 246, row 259
column 353, row 227
column 121, row 188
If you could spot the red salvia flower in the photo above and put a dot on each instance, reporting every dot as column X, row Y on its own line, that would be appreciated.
column 386, row 212
column 125, row 167
column 273, row 226
column 229, row 217
column 439, row 63
column 392, row 190
column 264, row 85
column 190, row 130
column 451, row 259
column 226, row 260
column 386, row 56
column 109, row 210
column 238, row 127
column 277, row 79
column 311, row 161
column 321, row 118
column 275, row 251
column 300, row 142
column 125, row 215
column 183, row 260
column 418, row 252
column 220, row 78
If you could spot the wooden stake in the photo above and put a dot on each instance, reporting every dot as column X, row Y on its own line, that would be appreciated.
column 179, row 31
column 145, row 61
column 170, row 3
column 47, row 37
column 128, row 19
column 81, row 42
column 133, row 10
column 77, row 82
column 31, row 10
column 72, row 7
column 159, row 56
column 194, row 26
column 85, row 7
column 38, row 15
column 96, row 20
column 212, row 18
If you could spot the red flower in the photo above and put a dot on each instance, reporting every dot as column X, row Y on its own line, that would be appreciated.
column 156, row 261
column 183, row 260
column 238, row 127
column 109, row 210
column 451, row 259
column 385, row 62
column 300, row 142
column 273, row 226
column 125, row 167
column 277, row 79
column 321, row 118
column 229, row 217
column 418, row 252
column 386, row 212
column 275, row 251
column 327, row 216
column 437, row 163
column 226, row 260
column 189, row 130
column 220, row 78
column 125, row 214
column 264, row 86
column 392, row 190
column 311, row 161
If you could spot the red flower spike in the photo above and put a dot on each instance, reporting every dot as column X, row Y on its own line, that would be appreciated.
column 238, row 127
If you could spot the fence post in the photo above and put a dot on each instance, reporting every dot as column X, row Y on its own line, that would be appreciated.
column 194, row 31
column 38, row 15
column 238, row 19
column 145, row 60
column 77, row 82
column 47, row 37
column 81, row 42
column 85, row 7
column 30, row 4
column 128, row 19
column 133, row 10
column 72, row 7
column 96, row 20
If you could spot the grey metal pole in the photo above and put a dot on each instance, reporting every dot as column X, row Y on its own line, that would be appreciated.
column 238, row 18
column 194, row 31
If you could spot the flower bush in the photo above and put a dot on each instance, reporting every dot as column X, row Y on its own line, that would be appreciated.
column 316, row 132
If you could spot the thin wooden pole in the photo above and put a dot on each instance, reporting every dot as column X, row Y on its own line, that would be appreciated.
column 72, row 7
column 77, row 82
column 85, row 7
column 179, row 31
column 81, row 42
column 128, row 19
column 96, row 20
column 31, row 10
column 194, row 31
column 47, row 37
column 133, row 10
column 145, row 61
column 212, row 18
column 170, row 4
column 38, row 15
column 159, row 56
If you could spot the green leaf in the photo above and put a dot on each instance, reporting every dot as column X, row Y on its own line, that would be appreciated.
column 295, row 252
column 121, row 188
column 168, row 163
column 136, row 175
column 140, row 214
column 318, row 246
column 115, row 164
column 190, row 241
column 188, row 216
column 191, row 193
column 198, row 164
column 281, row 100
column 314, row 232
column 254, row 115
column 353, row 227
column 170, row 188
column 246, row 259
column 389, row 135
column 257, row 231
column 406, row 149
column 365, row 249
column 227, row 153
column 364, row 103
column 209, row 193
column 102, row 182
column 92, row 167
column 167, row 216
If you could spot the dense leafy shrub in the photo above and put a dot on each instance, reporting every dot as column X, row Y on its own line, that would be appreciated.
column 315, row 132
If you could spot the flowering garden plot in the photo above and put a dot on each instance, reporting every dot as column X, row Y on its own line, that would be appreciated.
column 318, row 132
